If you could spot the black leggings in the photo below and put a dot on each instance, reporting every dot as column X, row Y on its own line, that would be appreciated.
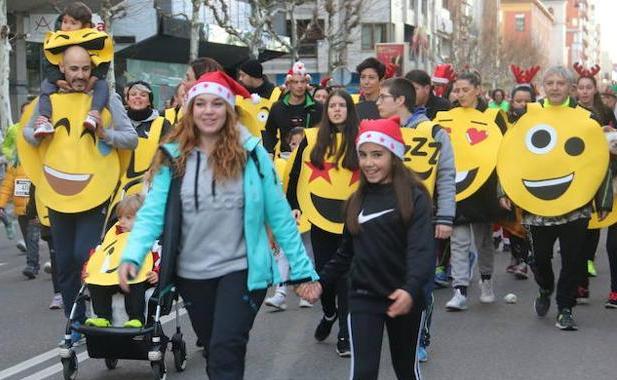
column 611, row 251
column 134, row 301
column 571, row 237
column 325, row 245
column 367, row 335
column 222, row 312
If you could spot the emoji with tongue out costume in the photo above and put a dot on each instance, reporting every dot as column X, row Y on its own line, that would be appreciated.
column 74, row 171
column 475, row 141
column 553, row 160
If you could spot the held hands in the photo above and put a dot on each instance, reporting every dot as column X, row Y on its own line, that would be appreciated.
column 443, row 231
column 126, row 272
column 401, row 305
column 310, row 291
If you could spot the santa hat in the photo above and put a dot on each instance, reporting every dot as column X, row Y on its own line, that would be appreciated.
column 220, row 84
column 443, row 74
column 299, row 69
column 384, row 132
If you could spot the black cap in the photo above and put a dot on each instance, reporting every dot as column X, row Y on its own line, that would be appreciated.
column 253, row 68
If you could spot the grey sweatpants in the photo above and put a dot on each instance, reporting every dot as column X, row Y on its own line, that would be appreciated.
column 460, row 246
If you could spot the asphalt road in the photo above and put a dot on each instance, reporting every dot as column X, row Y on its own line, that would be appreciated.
column 497, row 341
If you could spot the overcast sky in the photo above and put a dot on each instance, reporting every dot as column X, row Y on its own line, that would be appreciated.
column 607, row 17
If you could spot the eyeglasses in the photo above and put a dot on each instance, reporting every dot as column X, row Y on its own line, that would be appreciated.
column 381, row 97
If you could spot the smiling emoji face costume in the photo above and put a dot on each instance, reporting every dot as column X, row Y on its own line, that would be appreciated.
column 323, row 191
column 475, row 141
column 553, row 160
column 98, row 44
column 72, row 170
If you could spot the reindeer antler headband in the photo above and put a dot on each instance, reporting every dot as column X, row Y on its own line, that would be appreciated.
column 584, row 72
column 524, row 77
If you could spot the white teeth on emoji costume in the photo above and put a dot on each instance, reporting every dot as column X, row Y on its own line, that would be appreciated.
column 460, row 176
column 550, row 182
column 66, row 176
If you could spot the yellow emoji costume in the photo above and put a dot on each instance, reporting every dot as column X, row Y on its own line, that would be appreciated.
column 321, row 192
column 422, row 153
column 73, row 171
column 475, row 140
column 553, row 160
column 98, row 44
column 102, row 267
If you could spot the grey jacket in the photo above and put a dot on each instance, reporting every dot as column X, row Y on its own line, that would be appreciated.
column 445, row 186
column 121, row 135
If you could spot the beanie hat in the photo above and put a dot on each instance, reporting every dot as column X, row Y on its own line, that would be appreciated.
column 253, row 68
column 144, row 86
column 298, row 68
column 220, row 84
column 384, row 132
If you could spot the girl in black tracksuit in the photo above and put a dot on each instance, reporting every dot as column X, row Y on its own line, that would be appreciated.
column 387, row 248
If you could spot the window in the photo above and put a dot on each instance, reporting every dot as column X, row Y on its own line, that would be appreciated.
column 519, row 23
column 372, row 34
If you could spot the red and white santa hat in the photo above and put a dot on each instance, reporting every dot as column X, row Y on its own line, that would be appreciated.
column 298, row 68
column 384, row 132
column 220, row 84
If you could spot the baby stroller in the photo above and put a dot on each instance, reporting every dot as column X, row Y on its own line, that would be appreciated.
column 146, row 343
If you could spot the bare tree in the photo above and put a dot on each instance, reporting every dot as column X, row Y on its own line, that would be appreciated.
column 196, row 27
column 110, row 12
column 5, row 51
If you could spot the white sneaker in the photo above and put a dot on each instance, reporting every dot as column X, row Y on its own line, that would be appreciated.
column 47, row 267
column 90, row 122
column 304, row 303
column 487, row 295
column 43, row 129
column 21, row 245
column 56, row 302
column 277, row 301
column 457, row 302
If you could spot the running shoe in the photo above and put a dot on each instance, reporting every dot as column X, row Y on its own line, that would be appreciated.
column 56, row 302
column 90, row 122
column 611, row 303
column 343, row 348
column 422, row 354
column 304, row 304
column 133, row 324
column 277, row 301
column 591, row 268
column 542, row 302
column 21, row 245
column 565, row 320
column 441, row 277
column 458, row 302
column 47, row 267
column 43, row 129
column 324, row 327
column 30, row 272
column 487, row 294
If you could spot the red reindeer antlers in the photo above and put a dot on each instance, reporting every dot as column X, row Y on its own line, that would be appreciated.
column 586, row 73
column 524, row 76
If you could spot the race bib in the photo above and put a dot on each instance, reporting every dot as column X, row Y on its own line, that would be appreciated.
column 22, row 188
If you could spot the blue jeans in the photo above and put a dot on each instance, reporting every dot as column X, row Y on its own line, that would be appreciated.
column 74, row 235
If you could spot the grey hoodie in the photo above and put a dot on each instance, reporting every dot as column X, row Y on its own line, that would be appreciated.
column 445, row 186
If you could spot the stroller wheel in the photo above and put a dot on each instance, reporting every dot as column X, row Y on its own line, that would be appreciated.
column 159, row 371
column 179, row 352
column 69, row 366
column 111, row 363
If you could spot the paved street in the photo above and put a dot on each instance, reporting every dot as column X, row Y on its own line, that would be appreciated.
column 497, row 341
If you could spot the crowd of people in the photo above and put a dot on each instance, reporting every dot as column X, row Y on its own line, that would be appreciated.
column 363, row 202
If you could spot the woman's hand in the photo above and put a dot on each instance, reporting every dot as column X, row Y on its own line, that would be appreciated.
column 126, row 273
column 152, row 277
column 401, row 305
column 310, row 291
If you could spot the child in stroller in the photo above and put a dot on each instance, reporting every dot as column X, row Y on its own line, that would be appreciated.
column 142, row 337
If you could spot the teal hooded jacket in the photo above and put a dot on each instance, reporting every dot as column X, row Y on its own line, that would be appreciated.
column 265, row 205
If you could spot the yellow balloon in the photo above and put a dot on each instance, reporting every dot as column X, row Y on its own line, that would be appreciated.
column 98, row 44
column 475, row 141
column 72, row 169
column 553, row 160
column 102, row 267
column 322, row 192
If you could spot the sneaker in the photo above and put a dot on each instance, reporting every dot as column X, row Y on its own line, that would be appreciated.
column 30, row 272
column 43, row 129
column 47, row 267
column 611, row 303
column 277, row 301
column 542, row 302
column 90, row 122
column 422, row 354
column 457, row 302
column 324, row 327
column 565, row 321
column 77, row 338
column 305, row 304
column 343, row 348
column 520, row 271
column 56, row 302
column 133, row 324
column 441, row 277
column 591, row 268
column 21, row 245
column 487, row 295
column 98, row 322
column 582, row 295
